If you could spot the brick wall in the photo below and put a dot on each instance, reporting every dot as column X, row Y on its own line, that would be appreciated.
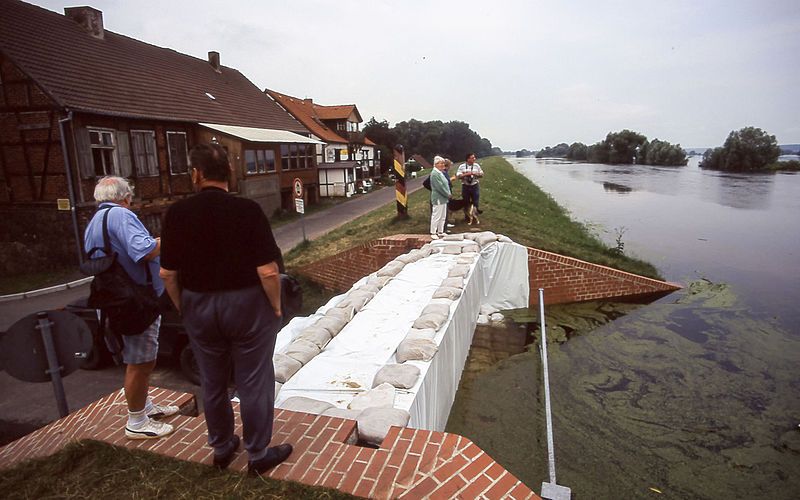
column 567, row 280
column 564, row 279
column 339, row 272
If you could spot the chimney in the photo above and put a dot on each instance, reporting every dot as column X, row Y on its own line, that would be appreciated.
column 308, row 101
column 89, row 18
column 213, row 60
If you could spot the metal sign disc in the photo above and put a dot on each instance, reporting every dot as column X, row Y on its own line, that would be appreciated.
column 22, row 348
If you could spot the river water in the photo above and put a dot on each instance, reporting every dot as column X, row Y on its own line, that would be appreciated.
column 696, row 395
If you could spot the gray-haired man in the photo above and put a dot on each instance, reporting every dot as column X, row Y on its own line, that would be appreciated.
column 135, row 249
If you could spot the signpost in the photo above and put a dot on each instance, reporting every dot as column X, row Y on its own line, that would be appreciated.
column 400, row 182
column 299, row 202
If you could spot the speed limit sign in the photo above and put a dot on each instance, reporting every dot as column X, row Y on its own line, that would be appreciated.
column 297, row 184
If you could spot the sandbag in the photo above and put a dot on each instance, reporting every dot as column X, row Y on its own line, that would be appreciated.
column 368, row 287
column 316, row 334
column 379, row 281
column 302, row 350
column 400, row 376
column 342, row 311
column 392, row 269
column 421, row 333
column 415, row 350
column 459, row 270
column 452, row 250
column 465, row 260
column 447, row 292
column 441, row 309
column 378, row 397
column 485, row 238
column 453, row 237
column 306, row 405
column 285, row 367
column 496, row 317
column 483, row 319
column 434, row 321
column 504, row 239
column 356, row 301
column 374, row 423
column 332, row 324
column 408, row 258
column 453, row 282
column 471, row 248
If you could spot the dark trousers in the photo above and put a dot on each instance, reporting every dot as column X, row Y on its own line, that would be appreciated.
column 234, row 328
column 471, row 196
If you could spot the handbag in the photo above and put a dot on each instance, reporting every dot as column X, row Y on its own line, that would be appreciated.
column 129, row 306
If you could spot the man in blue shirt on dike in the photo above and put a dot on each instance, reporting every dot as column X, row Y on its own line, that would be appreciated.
column 135, row 249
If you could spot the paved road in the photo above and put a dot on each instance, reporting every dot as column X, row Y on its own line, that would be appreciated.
column 26, row 406
column 320, row 223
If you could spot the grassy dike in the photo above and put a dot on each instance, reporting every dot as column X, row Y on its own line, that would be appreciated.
column 512, row 205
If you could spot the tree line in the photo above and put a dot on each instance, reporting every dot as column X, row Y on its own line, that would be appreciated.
column 624, row 147
column 453, row 139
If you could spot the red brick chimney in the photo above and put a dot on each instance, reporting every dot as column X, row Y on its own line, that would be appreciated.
column 89, row 18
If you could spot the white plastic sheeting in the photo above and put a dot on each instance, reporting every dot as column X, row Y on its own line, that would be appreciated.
column 348, row 364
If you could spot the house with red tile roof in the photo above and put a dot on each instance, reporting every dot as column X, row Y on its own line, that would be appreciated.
column 78, row 102
column 348, row 157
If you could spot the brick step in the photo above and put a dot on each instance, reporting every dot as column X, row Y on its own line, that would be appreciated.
column 410, row 463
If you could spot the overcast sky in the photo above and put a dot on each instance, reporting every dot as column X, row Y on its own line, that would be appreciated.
column 522, row 73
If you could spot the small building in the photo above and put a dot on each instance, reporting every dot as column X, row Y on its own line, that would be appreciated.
column 78, row 102
column 338, row 178
column 338, row 128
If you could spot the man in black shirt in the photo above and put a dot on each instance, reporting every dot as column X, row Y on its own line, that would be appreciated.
column 219, row 263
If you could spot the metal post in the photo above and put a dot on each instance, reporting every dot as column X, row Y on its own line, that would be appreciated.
column 550, row 490
column 303, row 224
column 52, row 361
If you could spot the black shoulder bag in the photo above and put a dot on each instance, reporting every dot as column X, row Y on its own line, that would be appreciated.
column 129, row 306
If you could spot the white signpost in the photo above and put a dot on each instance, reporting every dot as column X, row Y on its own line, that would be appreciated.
column 299, row 203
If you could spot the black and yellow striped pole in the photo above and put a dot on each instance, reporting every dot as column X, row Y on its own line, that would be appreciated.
column 400, row 182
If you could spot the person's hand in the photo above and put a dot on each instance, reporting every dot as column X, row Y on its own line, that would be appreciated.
column 278, row 312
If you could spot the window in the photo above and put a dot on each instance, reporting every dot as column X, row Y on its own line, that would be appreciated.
column 340, row 126
column 101, row 145
column 145, row 154
column 352, row 126
column 292, row 156
column 178, row 152
column 284, row 157
column 259, row 161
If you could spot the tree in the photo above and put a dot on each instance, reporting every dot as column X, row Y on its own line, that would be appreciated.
column 747, row 149
column 658, row 152
column 453, row 139
column 557, row 151
column 623, row 146
column 577, row 151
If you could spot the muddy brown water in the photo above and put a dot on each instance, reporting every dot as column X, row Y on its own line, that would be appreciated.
column 696, row 395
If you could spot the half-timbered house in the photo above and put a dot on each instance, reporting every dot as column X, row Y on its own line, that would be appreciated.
column 78, row 102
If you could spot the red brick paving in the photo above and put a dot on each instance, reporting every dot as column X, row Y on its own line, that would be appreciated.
column 410, row 463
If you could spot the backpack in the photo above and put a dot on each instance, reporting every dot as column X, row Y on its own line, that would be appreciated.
column 129, row 306
column 427, row 183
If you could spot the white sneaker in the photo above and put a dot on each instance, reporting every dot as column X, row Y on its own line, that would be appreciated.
column 152, row 429
column 434, row 237
column 451, row 225
column 159, row 411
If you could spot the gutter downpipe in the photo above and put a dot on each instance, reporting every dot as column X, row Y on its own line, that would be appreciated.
column 70, row 185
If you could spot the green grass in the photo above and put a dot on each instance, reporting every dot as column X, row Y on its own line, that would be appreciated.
column 512, row 205
column 91, row 469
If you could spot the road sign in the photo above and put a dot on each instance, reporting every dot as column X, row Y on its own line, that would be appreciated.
column 297, row 185
column 299, row 206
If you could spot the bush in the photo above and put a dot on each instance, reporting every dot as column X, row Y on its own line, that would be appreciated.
column 748, row 149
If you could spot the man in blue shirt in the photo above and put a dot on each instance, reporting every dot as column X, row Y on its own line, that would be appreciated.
column 135, row 249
